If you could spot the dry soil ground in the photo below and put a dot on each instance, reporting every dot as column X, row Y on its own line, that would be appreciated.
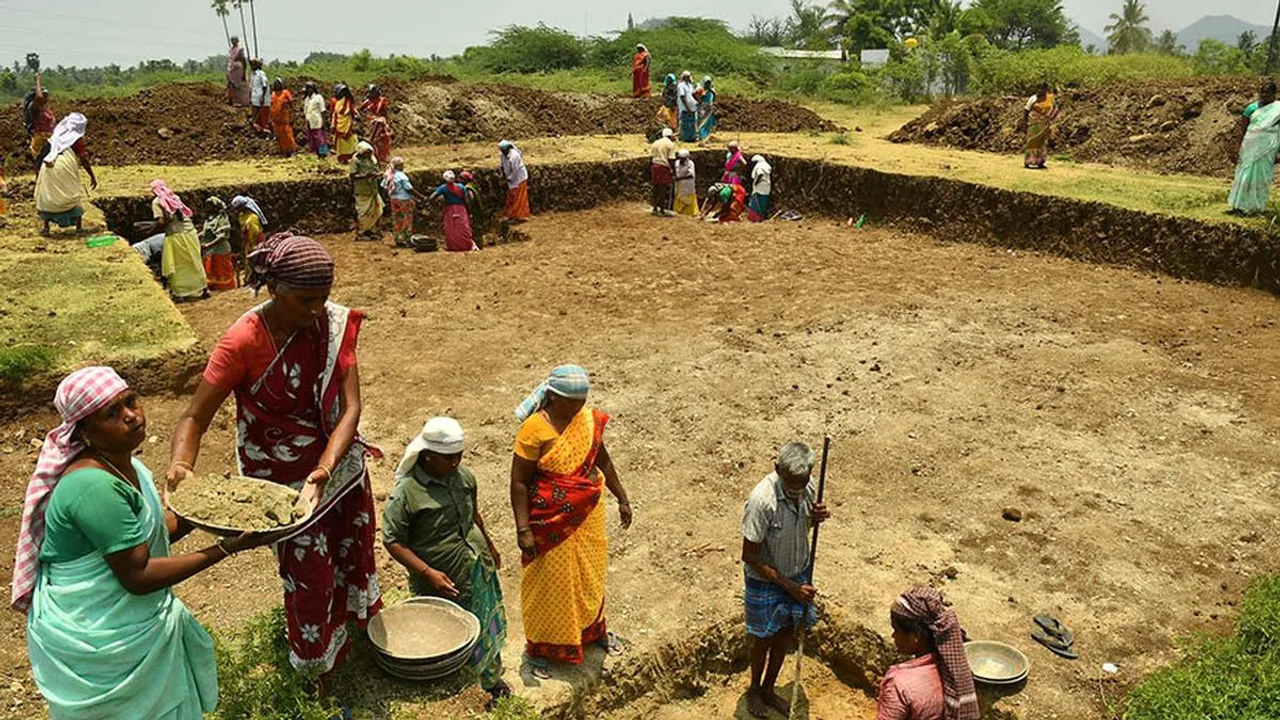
column 1129, row 418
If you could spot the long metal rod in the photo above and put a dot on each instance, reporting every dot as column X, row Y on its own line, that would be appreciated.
column 813, row 553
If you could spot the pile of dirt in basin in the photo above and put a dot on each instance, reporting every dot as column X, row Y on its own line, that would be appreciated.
column 1184, row 126
column 184, row 124
column 236, row 503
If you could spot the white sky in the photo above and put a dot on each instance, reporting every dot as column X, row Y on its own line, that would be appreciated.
column 97, row 32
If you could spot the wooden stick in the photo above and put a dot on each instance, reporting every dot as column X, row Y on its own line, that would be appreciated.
column 813, row 551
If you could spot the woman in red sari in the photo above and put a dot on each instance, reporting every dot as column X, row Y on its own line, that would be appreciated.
column 375, row 109
column 291, row 363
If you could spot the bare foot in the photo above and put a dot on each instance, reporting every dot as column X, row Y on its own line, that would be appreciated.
column 756, row 704
column 775, row 701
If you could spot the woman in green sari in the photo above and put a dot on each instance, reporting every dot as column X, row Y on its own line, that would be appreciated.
column 106, row 636
column 1257, row 167
column 365, row 174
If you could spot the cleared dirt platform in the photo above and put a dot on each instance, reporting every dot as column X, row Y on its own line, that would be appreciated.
column 1130, row 417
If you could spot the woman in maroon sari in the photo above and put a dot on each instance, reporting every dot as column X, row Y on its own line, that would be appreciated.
column 291, row 363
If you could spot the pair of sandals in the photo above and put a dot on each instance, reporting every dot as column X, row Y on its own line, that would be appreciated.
column 613, row 645
column 1051, row 633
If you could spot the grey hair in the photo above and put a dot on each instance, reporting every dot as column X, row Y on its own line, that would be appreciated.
column 795, row 459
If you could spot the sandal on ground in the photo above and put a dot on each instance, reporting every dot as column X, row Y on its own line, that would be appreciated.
column 1054, row 644
column 539, row 668
column 1054, row 628
column 612, row 644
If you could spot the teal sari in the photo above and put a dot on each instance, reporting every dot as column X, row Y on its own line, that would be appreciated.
column 99, row 652
column 1257, row 167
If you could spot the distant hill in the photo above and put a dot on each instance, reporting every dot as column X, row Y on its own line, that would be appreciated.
column 1089, row 37
column 1223, row 28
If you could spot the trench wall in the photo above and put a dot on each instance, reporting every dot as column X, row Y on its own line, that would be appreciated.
column 1220, row 253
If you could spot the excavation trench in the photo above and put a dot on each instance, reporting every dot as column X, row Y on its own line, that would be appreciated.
column 706, row 675
column 949, row 210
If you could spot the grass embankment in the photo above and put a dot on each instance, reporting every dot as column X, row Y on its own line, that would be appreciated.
column 63, row 305
column 1232, row 678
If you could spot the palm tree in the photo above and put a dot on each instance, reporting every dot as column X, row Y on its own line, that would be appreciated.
column 944, row 17
column 244, row 31
column 220, row 9
column 807, row 25
column 254, row 18
column 1129, row 32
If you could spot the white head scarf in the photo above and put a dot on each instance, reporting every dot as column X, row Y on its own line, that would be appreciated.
column 363, row 147
column 666, row 132
column 443, row 435
column 449, row 176
column 70, row 129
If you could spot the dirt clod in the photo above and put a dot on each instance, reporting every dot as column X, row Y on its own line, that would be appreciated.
column 1012, row 514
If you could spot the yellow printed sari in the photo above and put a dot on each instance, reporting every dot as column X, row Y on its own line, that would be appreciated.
column 562, row 589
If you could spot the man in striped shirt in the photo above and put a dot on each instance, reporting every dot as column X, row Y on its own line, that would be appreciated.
column 775, row 557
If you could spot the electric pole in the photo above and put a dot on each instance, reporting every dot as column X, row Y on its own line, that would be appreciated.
column 1271, row 46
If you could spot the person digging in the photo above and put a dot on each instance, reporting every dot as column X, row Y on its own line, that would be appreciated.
column 775, row 556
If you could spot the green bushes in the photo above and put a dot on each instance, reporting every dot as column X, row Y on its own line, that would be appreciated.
column 1235, row 678
column 520, row 49
column 704, row 47
column 1001, row 71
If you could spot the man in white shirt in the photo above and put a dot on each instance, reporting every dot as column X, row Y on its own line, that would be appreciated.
column 661, row 153
column 761, row 186
column 688, row 107
column 260, row 97
column 775, row 558
column 516, row 175
column 313, row 109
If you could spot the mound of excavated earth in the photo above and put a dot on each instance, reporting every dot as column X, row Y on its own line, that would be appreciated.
column 1185, row 126
column 183, row 124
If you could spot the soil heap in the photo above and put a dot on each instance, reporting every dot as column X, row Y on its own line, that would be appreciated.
column 236, row 503
column 1183, row 126
column 184, row 124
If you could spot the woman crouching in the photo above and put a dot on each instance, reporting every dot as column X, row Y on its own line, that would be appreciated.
column 937, row 684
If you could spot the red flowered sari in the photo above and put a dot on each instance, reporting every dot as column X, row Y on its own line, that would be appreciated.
column 284, row 419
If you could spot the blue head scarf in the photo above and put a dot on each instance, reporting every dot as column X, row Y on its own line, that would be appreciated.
column 568, row 381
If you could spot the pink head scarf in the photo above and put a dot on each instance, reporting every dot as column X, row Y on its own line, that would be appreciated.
column 169, row 200
column 926, row 605
column 80, row 394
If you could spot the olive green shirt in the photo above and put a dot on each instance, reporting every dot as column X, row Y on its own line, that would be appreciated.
column 436, row 520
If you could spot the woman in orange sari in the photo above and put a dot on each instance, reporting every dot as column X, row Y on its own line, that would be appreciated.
column 640, row 72
column 375, row 110
column 282, row 117
column 558, row 475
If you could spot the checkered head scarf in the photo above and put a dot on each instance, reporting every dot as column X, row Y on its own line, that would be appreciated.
column 294, row 262
column 926, row 605
column 79, row 395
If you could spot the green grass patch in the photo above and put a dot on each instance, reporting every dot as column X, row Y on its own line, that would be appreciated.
column 79, row 304
column 23, row 361
column 255, row 680
column 1234, row 678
